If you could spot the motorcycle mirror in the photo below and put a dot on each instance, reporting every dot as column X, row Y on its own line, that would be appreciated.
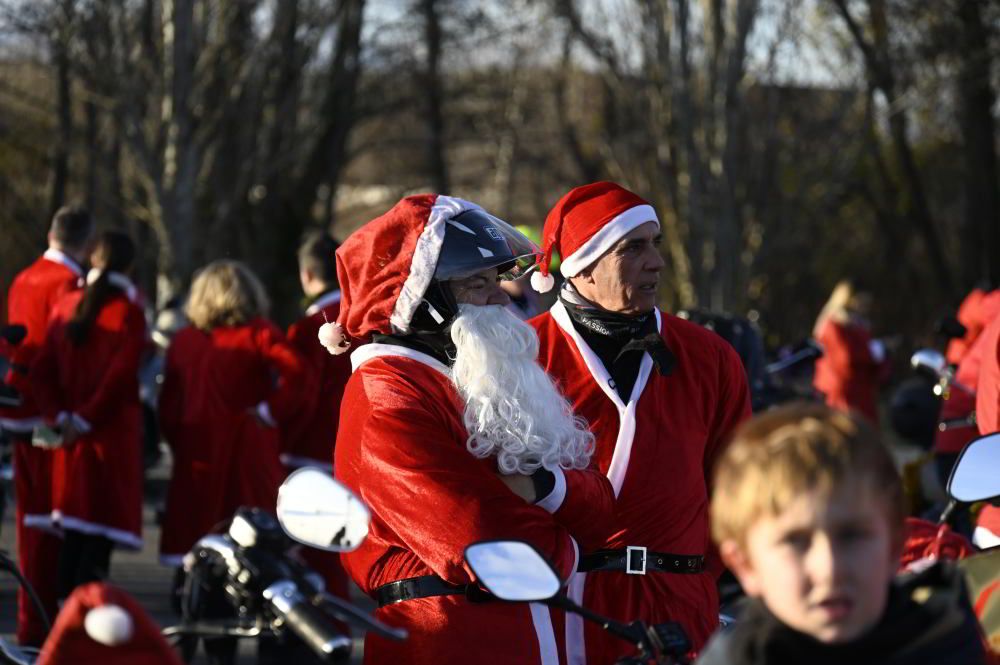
column 318, row 511
column 512, row 570
column 975, row 476
column 929, row 360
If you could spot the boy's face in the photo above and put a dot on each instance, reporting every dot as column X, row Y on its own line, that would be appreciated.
column 822, row 566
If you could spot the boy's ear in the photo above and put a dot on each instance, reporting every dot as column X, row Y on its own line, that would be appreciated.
column 736, row 560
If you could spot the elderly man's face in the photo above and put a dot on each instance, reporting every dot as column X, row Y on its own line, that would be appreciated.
column 480, row 289
column 626, row 278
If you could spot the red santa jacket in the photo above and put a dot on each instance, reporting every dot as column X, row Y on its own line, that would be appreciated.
column 307, row 440
column 218, row 386
column 848, row 373
column 97, row 481
column 402, row 448
column 658, row 451
column 32, row 295
column 988, row 407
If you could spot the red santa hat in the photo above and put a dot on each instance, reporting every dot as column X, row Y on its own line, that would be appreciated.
column 385, row 267
column 102, row 624
column 585, row 224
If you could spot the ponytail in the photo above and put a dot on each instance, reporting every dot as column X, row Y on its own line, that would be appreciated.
column 115, row 252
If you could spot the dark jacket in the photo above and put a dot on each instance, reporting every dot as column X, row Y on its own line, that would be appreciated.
column 928, row 621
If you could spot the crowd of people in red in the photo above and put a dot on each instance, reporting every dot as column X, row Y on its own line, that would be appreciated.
column 437, row 370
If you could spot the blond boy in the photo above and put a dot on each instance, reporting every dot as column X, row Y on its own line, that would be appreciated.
column 807, row 512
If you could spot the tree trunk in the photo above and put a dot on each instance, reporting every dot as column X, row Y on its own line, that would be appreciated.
column 60, row 46
column 434, row 89
column 981, row 228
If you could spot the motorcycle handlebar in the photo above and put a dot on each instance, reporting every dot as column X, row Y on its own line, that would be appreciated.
column 307, row 621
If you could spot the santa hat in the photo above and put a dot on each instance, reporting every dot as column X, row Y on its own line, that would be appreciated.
column 585, row 224
column 102, row 624
column 385, row 267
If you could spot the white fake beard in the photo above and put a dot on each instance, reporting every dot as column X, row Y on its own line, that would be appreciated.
column 513, row 410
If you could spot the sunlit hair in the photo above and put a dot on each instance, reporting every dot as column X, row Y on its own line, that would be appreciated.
column 794, row 450
column 843, row 299
column 225, row 293
column 513, row 410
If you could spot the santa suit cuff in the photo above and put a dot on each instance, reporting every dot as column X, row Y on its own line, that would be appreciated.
column 554, row 500
column 264, row 413
column 81, row 424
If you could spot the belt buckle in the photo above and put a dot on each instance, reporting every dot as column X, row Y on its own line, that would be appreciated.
column 641, row 570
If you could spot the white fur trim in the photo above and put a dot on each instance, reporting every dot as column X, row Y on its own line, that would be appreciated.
column 125, row 539
column 20, row 425
column 109, row 625
column 605, row 239
column 555, row 498
column 425, row 258
column 626, row 412
column 298, row 462
column 542, row 283
column 264, row 413
column 542, row 620
column 373, row 350
column 58, row 256
column 984, row 538
column 43, row 522
column 576, row 649
column 323, row 302
column 117, row 279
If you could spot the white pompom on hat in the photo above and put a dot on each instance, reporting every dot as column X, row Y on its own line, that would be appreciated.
column 108, row 624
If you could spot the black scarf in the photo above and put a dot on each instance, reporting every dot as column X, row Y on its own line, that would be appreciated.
column 618, row 340
column 437, row 345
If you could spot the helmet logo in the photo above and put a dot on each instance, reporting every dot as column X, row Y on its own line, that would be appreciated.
column 492, row 232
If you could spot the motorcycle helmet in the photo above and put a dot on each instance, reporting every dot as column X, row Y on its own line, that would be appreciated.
column 474, row 241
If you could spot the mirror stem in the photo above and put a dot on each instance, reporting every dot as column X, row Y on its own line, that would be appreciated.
column 948, row 510
column 629, row 633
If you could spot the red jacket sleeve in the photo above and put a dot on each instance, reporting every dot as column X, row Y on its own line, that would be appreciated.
column 120, row 376
column 435, row 496
column 732, row 407
column 170, row 406
column 588, row 507
column 295, row 385
column 44, row 374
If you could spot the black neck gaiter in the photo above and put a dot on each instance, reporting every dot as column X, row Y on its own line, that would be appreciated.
column 437, row 345
column 618, row 340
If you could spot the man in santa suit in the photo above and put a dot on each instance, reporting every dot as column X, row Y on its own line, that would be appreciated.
column 452, row 434
column 32, row 296
column 661, row 395
column 307, row 439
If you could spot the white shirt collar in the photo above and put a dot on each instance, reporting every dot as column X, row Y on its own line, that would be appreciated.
column 323, row 302
column 116, row 278
column 59, row 256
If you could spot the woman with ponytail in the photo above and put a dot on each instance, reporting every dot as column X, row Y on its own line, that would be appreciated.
column 85, row 381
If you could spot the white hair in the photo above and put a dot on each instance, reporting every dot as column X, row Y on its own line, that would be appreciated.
column 512, row 408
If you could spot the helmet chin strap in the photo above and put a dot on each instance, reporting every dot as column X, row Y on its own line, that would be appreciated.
column 436, row 315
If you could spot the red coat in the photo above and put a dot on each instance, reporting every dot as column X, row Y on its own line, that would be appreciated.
column 401, row 447
column 975, row 313
column 658, row 451
column 223, row 456
column 988, row 407
column 848, row 373
column 32, row 296
column 307, row 440
column 98, row 479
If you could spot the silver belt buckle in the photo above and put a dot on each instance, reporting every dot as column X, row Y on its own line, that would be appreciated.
column 641, row 570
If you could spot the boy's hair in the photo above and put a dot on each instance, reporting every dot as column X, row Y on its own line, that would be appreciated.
column 225, row 293
column 792, row 450
column 71, row 227
column 316, row 254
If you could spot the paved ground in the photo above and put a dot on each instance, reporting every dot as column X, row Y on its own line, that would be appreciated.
column 137, row 572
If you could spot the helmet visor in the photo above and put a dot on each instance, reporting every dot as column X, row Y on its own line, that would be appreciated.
column 475, row 241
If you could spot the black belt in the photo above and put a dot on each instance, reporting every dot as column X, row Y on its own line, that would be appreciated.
column 425, row 587
column 639, row 561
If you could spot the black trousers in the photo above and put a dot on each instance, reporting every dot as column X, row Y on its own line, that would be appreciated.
column 83, row 558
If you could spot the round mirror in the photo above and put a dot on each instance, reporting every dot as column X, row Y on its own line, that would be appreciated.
column 316, row 510
column 976, row 476
column 512, row 570
column 929, row 360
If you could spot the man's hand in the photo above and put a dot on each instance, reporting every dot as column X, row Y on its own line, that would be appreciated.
column 520, row 485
